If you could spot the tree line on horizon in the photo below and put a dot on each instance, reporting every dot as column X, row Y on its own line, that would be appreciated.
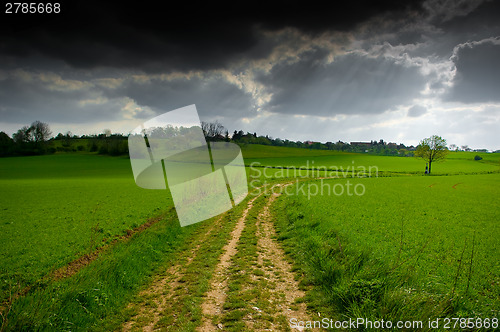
column 36, row 139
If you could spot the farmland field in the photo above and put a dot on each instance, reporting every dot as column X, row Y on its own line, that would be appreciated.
column 422, row 235
column 57, row 208
column 457, row 162
column 400, row 246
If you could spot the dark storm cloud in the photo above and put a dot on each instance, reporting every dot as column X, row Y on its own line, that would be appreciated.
column 437, row 30
column 25, row 97
column 213, row 96
column 184, row 36
column 351, row 84
column 446, row 10
column 315, row 17
column 88, row 34
column 103, row 65
column 458, row 16
column 480, row 23
column 477, row 77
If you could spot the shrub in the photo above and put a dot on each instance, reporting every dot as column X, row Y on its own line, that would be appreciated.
column 477, row 157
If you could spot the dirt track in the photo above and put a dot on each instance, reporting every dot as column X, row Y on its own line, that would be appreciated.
column 276, row 285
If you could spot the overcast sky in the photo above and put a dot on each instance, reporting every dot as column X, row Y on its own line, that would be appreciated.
column 393, row 70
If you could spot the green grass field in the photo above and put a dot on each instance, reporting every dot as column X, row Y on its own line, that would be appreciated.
column 403, row 249
column 456, row 162
column 56, row 208
column 436, row 237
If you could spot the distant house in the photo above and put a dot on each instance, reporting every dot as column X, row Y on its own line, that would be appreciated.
column 361, row 143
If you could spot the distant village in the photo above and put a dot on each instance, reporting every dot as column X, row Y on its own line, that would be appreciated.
column 373, row 147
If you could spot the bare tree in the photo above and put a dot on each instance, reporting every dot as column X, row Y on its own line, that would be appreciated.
column 40, row 131
column 213, row 130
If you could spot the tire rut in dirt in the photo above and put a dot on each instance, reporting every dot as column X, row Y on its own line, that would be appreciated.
column 257, row 290
column 212, row 306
